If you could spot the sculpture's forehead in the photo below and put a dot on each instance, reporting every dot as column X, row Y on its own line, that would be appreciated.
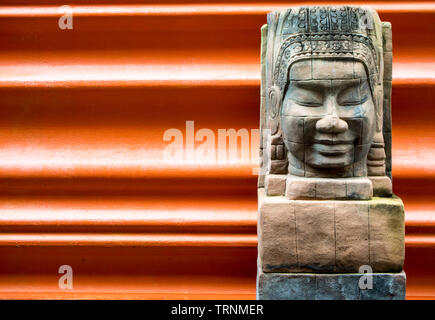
column 327, row 69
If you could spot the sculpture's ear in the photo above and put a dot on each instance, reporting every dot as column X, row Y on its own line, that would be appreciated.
column 274, row 98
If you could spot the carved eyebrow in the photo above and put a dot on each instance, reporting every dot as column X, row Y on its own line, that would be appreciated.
column 322, row 84
column 311, row 84
column 346, row 84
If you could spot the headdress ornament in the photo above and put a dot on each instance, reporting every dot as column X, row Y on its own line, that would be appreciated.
column 329, row 32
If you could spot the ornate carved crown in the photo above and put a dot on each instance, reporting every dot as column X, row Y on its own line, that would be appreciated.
column 329, row 32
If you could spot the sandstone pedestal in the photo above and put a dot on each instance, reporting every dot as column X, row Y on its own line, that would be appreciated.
column 330, row 235
column 315, row 249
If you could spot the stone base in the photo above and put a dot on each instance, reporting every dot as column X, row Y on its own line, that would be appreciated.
column 330, row 236
column 306, row 286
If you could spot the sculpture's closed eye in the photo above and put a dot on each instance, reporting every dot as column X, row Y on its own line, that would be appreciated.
column 353, row 96
column 351, row 102
column 314, row 98
column 308, row 103
column 306, row 96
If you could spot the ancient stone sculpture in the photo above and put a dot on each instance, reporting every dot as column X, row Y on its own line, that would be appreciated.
column 325, row 193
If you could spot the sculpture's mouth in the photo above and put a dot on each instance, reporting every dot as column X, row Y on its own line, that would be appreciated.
column 329, row 141
column 333, row 149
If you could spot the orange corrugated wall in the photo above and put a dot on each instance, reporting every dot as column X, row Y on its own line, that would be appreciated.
column 83, row 112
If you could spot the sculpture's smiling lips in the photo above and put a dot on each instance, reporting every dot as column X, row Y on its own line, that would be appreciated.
column 333, row 149
column 332, row 146
column 332, row 141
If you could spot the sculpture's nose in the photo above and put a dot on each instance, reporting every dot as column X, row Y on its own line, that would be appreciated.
column 331, row 123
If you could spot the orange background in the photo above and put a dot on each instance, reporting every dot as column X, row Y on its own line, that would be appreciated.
column 82, row 116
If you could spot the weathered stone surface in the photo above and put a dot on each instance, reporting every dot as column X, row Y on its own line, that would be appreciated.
column 351, row 234
column 382, row 186
column 330, row 236
column 277, row 234
column 338, row 69
column 359, row 188
column 300, row 188
column 275, row 185
column 315, row 236
column 302, row 71
column 331, row 189
column 300, row 286
column 264, row 156
column 278, row 166
column 387, row 37
column 387, row 234
column 388, row 164
column 388, row 67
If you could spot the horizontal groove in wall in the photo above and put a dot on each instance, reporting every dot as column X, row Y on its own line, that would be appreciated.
column 129, row 240
column 157, row 27
column 97, row 225
column 196, row 10
column 143, row 76
column 155, row 240
column 123, row 295
column 64, row 218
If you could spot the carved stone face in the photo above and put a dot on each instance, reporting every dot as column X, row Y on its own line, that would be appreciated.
column 328, row 118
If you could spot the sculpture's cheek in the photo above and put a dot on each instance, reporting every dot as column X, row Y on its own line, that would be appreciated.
column 293, row 128
column 297, row 151
column 361, row 151
column 293, row 135
column 368, row 121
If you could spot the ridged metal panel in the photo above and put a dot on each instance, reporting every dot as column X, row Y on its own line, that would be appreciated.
column 82, row 115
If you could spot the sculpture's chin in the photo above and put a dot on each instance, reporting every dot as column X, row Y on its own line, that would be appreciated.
column 332, row 165
column 320, row 161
